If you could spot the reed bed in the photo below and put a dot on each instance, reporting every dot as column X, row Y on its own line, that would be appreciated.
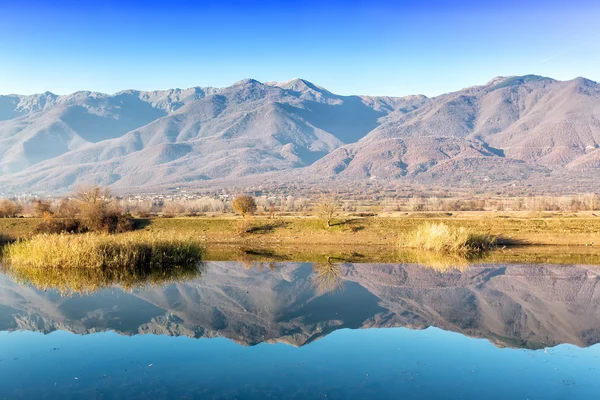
column 89, row 262
column 101, row 251
column 441, row 237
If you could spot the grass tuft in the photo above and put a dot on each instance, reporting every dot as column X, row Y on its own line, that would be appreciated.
column 102, row 251
column 443, row 238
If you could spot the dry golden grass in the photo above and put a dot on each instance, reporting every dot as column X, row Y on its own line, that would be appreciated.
column 565, row 229
column 89, row 262
column 448, row 239
column 102, row 251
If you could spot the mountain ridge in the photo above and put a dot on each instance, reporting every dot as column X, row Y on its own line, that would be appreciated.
column 511, row 305
column 516, row 128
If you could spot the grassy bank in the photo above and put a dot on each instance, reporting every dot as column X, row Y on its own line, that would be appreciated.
column 510, row 228
column 552, row 230
column 89, row 262
column 98, row 251
column 327, row 263
column 392, row 254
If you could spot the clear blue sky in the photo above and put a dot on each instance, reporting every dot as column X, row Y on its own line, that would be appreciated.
column 350, row 47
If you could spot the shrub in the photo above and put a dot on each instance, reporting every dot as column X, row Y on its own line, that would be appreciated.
column 244, row 205
column 9, row 209
column 443, row 238
column 53, row 225
column 42, row 208
column 66, row 208
column 99, row 213
column 3, row 239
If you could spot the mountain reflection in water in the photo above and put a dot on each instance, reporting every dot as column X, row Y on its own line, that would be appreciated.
column 296, row 303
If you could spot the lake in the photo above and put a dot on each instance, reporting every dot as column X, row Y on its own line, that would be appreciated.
column 308, row 331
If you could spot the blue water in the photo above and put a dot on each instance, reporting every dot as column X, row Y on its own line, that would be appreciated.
column 509, row 332
column 359, row 364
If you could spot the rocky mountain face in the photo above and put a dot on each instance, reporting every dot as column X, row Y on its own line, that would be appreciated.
column 510, row 305
column 510, row 129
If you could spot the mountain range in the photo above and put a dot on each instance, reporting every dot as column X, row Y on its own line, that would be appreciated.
column 519, row 129
column 510, row 305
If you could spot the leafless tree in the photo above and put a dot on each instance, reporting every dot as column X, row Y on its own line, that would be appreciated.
column 327, row 208
column 42, row 208
column 9, row 209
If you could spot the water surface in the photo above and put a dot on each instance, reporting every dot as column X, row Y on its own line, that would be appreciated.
column 306, row 331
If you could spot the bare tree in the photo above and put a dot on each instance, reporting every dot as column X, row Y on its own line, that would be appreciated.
column 244, row 205
column 272, row 210
column 9, row 209
column 99, row 212
column 93, row 195
column 42, row 208
column 67, row 208
column 172, row 209
column 327, row 208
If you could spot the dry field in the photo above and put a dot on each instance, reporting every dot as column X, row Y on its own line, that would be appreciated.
column 511, row 228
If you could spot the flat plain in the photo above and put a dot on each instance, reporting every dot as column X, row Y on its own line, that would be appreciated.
column 511, row 228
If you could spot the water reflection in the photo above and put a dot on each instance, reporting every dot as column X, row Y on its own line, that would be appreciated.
column 379, row 254
column 328, row 276
column 297, row 303
column 68, row 281
column 441, row 262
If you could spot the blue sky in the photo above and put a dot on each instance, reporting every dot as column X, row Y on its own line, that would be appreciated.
column 350, row 47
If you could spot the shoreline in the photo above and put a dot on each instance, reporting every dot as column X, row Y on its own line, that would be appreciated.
column 393, row 255
column 511, row 230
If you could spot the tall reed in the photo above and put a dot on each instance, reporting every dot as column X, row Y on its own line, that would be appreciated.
column 443, row 238
column 102, row 251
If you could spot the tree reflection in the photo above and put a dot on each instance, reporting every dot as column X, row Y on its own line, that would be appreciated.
column 328, row 276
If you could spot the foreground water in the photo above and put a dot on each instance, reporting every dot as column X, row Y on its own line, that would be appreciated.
column 291, row 330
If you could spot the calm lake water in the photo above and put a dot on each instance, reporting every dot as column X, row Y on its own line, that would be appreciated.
column 304, row 331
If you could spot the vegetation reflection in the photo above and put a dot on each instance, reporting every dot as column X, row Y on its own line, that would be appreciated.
column 328, row 276
column 441, row 262
column 68, row 281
